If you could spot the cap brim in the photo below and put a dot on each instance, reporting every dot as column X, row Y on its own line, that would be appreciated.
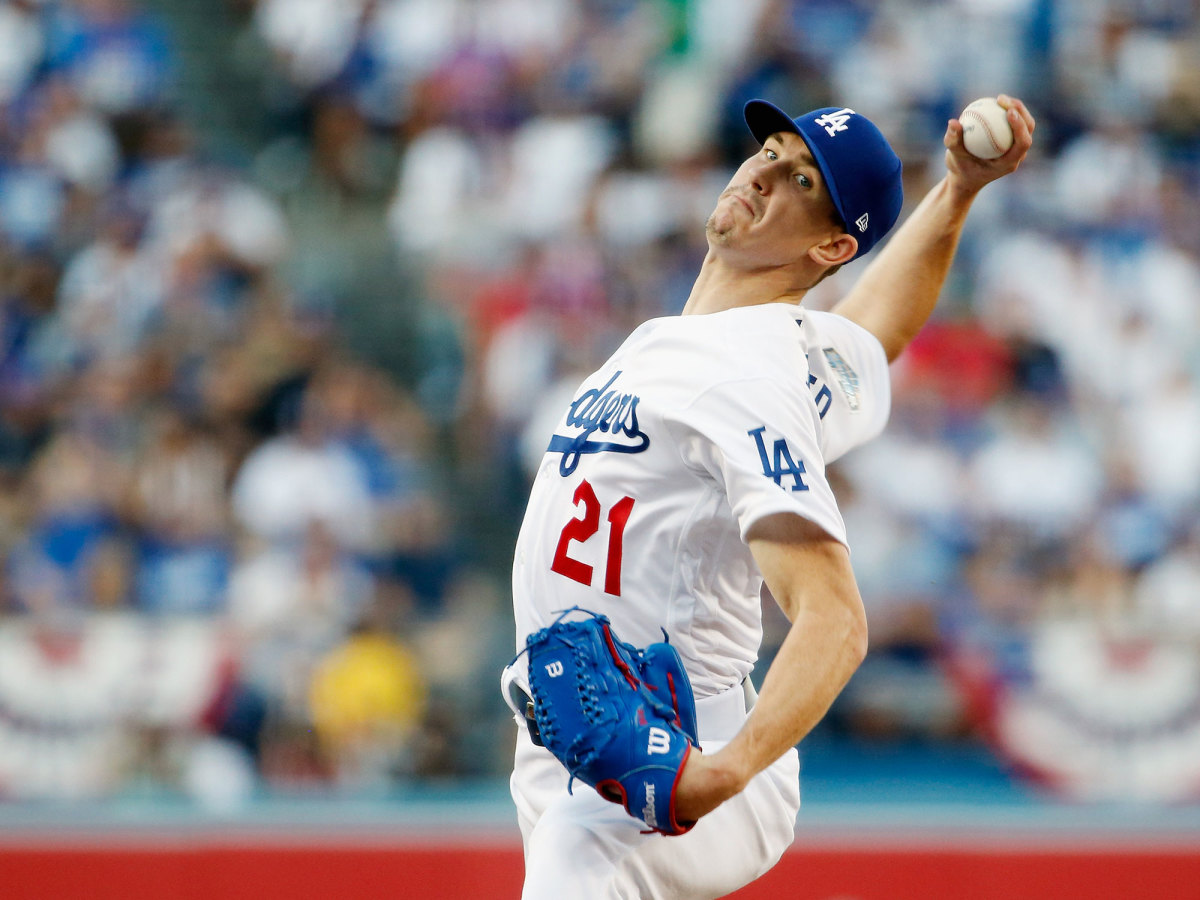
column 765, row 119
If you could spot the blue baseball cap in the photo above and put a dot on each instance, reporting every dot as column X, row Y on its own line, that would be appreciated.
column 860, row 167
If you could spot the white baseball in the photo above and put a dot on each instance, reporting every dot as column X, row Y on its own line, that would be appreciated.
column 986, row 132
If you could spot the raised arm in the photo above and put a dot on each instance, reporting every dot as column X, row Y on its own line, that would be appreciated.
column 898, row 290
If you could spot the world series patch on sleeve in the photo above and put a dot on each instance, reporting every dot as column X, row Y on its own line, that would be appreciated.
column 621, row 719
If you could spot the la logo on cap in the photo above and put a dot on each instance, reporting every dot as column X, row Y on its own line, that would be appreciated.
column 861, row 222
column 833, row 122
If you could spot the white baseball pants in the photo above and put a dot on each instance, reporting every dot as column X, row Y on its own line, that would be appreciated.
column 579, row 846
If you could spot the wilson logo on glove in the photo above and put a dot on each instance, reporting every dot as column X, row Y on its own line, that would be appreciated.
column 648, row 813
column 610, row 713
column 660, row 741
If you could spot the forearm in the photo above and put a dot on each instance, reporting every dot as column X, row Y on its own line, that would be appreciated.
column 898, row 291
column 823, row 648
column 809, row 574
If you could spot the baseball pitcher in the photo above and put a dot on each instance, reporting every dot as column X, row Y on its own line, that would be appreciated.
column 685, row 482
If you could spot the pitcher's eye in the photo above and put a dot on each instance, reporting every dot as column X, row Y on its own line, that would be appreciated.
column 803, row 180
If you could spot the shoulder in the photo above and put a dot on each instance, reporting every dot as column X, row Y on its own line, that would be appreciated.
column 714, row 347
column 833, row 329
column 752, row 338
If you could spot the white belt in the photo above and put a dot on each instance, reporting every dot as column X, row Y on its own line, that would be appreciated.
column 719, row 717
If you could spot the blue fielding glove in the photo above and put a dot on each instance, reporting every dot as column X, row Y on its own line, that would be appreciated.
column 622, row 720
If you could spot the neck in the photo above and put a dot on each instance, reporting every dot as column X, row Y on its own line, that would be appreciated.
column 720, row 286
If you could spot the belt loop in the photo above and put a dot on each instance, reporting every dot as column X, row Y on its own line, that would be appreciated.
column 749, row 693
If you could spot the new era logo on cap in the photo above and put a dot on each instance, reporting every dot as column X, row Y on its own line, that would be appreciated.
column 860, row 169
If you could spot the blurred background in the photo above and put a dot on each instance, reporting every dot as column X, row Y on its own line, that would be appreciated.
column 289, row 288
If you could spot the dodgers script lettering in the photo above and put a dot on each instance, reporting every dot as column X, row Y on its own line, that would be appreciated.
column 605, row 410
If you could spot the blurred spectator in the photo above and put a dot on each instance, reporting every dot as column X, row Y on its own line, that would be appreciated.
column 24, row 43
column 386, row 432
column 303, row 476
column 113, row 52
column 367, row 699
column 1164, row 440
column 73, row 529
column 312, row 38
column 181, row 508
column 456, row 648
column 1035, row 473
column 1165, row 591
column 289, row 606
column 110, row 292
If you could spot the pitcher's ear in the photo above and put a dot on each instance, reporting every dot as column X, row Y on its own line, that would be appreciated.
column 835, row 251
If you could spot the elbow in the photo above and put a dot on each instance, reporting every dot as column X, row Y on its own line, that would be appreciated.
column 896, row 342
column 893, row 336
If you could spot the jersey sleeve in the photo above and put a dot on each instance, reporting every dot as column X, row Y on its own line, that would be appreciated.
column 852, row 364
column 758, row 440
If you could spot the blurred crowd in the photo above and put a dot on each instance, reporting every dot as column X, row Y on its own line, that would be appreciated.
column 266, row 424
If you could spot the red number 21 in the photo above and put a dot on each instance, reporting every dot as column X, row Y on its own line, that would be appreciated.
column 584, row 527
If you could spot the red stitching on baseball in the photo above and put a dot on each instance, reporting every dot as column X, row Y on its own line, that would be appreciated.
column 987, row 130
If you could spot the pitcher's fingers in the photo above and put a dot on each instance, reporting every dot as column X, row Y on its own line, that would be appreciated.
column 1015, row 103
column 953, row 138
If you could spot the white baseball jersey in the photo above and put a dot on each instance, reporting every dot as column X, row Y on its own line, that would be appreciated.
column 696, row 428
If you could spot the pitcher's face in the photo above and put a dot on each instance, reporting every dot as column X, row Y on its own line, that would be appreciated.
column 776, row 205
